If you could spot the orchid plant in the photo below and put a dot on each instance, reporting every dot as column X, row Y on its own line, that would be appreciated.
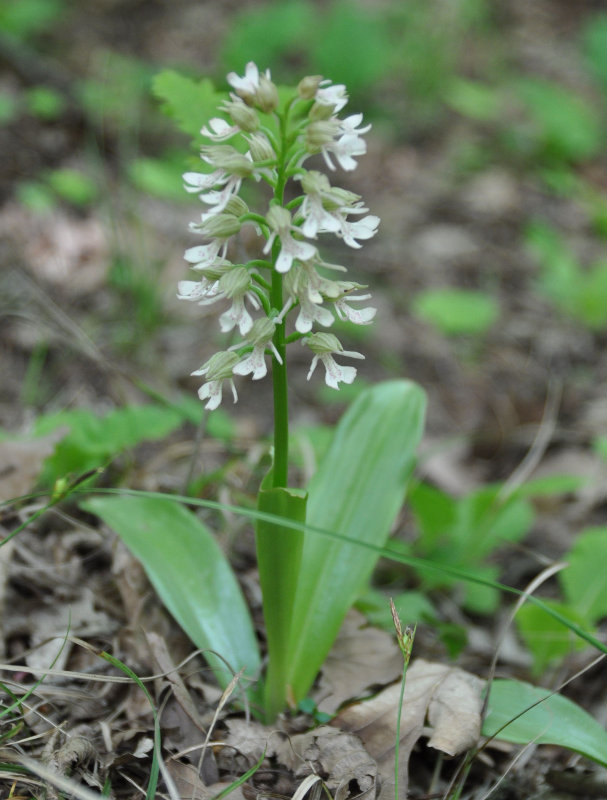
column 287, row 294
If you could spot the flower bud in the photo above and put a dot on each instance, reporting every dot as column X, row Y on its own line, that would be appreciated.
column 220, row 226
column 278, row 218
column 236, row 206
column 319, row 134
column 342, row 198
column 217, row 270
column 320, row 111
column 218, row 367
column 236, row 282
column 262, row 331
column 266, row 95
column 242, row 115
column 322, row 343
column 260, row 147
column 227, row 158
column 314, row 182
column 308, row 86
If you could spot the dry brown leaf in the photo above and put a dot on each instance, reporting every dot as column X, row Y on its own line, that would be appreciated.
column 49, row 627
column 449, row 697
column 21, row 462
column 362, row 656
column 339, row 758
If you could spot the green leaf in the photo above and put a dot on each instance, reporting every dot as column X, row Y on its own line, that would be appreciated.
column 567, row 127
column 45, row 103
column 412, row 607
column 159, row 177
column 473, row 99
column 279, row 552
column 190, row 103
column 583, row 581
column 271, row 35
column 26, row 18
column 548, row 639
column 557, row 720
column 463, row 532
column 94, row 440
column 457, row 311
column 358, row 490
column 349, row 28
column 594, row 38
column 73, row 186
column 191, row 575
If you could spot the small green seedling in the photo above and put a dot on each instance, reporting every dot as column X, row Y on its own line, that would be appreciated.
column 457, row 312
column 579, row 292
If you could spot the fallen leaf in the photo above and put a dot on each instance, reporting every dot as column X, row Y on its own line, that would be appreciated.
column 339, row 758
column 21, row 462
column 362, row 656
column 49, row 628
column 449, row 697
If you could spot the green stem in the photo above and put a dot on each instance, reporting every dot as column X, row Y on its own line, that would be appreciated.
column 279, row 371
column 281, row 400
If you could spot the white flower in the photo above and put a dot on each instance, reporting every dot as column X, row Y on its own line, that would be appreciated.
column 348, row 145
column 328, row 95
column 205, row 256
column 249, row 84
column 363, row 228
column 217, row 369
column 260, row 337
column 325, row 207
column 359, row 316
column 279, row 220
column 234, row 285
column 196, row 291
column 323, row 345
column 202, row 181
column 219, row 130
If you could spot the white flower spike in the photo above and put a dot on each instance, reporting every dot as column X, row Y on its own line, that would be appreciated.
column 292, row 276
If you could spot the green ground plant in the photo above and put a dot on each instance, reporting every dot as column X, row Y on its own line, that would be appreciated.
column 576, row 290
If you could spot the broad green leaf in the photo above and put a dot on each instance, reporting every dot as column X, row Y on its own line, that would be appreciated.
column 190, row 103
column 546, row 638
column 191, row 575
column 584, row 580
column 556, row 720
column 279, row 552
column 358, row 491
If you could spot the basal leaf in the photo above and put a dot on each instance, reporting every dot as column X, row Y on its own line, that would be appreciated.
column 279, row 552
column 556, row 720
column 358, row 490
column 191, row 575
